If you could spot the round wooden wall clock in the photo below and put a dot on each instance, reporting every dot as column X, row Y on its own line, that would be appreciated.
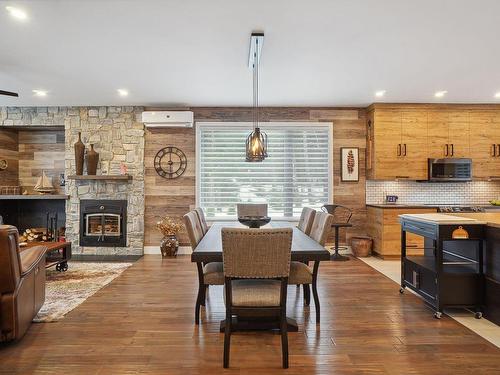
column 170, row 162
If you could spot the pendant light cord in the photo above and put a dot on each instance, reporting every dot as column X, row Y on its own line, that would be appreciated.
column 256, row 85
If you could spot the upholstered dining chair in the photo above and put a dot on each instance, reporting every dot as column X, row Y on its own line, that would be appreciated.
column 201, row 217
column 208, row 274
column 306, row 220
column 251, row 209
column 256, row 270
column 301, row 273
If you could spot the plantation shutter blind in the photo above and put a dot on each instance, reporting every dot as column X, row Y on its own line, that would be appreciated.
column 295, row 175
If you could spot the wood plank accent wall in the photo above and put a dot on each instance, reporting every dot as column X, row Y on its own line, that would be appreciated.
column 39, row 151
column 176, row 197
column 9, row 152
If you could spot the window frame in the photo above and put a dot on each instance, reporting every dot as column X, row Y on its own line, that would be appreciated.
column 244, row 124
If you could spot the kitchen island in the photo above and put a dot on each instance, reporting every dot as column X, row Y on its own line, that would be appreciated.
column 461, row 262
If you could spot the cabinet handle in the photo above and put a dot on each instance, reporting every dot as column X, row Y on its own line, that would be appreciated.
column 415, row 280
column 452, row 150
column 402, row 176
column 493, row 150
column 399, row 149
column 405, row 149
column 498, row 147
column 447, row 150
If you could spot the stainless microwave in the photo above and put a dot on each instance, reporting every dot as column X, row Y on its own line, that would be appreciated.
column 450, row 169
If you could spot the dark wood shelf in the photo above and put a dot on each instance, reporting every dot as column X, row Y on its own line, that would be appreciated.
column 35, row 197
column 117, row 177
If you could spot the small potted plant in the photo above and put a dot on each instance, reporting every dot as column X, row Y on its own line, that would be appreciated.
column 169, row 228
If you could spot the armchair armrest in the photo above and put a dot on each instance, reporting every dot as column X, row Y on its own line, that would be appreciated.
column 31, row 257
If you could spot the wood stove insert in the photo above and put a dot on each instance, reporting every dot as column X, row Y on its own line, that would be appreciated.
column 103, row 223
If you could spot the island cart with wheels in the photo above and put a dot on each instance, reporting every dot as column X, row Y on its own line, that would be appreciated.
column 449, row 271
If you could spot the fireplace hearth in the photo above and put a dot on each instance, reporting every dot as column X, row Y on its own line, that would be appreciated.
column 103, row 223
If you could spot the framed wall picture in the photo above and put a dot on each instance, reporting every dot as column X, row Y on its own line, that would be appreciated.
column 349, row 164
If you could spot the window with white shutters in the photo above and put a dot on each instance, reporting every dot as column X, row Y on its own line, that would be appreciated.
column 296, row 174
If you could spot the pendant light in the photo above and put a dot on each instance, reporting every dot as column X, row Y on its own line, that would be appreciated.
column 256, row 144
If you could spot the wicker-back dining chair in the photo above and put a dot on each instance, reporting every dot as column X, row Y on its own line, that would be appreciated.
column 209, row 273
column 301, row 273
column 256, row 270
column 251, row 209
column 201, row 217
column 306, row 220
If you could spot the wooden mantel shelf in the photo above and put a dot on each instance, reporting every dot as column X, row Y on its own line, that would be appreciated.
column 117, row 177
column 35, row 197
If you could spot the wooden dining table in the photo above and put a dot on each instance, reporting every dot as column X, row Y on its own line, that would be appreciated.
column 304, row 249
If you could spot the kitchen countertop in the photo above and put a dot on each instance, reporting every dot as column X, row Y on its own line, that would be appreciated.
column 416, row 205
column 445, row 219
column 491, row 219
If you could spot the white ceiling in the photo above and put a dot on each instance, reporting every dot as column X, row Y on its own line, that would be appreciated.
column 188, row 52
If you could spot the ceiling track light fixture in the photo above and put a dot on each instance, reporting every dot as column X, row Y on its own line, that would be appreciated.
column 256, row 143
column 9, row 93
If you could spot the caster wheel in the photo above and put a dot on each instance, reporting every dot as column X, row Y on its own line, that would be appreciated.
column 62, row 267
column 478, row 315
column 401, row 290
column 438, row 315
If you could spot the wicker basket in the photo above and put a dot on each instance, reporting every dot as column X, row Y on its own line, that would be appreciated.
column 361, row 246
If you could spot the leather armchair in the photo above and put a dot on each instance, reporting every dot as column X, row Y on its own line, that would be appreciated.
column 22, row 284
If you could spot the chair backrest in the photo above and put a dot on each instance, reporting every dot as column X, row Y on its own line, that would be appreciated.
column 256, row 253
column 10, row 259
column 341, row 214
column 193, row 228
column 251, row 209
column 201, row 217
column 321, row 227
column 306, row 220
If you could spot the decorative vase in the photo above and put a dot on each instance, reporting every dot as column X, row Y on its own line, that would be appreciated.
column 92, row 160
column 169, row 246
column 79, row 155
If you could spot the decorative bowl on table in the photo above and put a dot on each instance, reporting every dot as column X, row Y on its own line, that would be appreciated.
column 254, row 221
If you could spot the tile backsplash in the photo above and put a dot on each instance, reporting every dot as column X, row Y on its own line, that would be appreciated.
column 412, row 192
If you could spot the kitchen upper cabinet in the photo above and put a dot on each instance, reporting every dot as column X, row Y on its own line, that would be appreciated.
column 414, row 144
column 387, row 144
column 397, row 142
column 401, row 139
column 448, row 134
column 485, row 143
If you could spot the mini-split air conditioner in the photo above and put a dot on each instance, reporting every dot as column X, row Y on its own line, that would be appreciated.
column 168, row 119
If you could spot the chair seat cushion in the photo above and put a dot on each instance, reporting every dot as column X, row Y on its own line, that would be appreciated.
column 213, row 273
column 256, row 293
column 300, row 273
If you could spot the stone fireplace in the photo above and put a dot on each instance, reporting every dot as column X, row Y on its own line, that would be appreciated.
column 118, row 136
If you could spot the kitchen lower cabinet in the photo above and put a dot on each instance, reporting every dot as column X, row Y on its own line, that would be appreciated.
column 385, row 230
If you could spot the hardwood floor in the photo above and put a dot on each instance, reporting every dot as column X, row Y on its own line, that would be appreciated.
column 142, row 323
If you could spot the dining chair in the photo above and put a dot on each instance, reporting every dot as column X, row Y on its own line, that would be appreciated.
column 201, row 217
column 301, row 273
column 251, row 209
column 342, row 215
column 306, row 220
column 209, row 273
column 256, row 270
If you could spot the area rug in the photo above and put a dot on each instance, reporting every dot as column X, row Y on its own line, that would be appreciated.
column 66, row 290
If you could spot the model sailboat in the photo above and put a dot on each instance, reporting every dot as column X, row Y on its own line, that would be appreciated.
column 44, row 185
